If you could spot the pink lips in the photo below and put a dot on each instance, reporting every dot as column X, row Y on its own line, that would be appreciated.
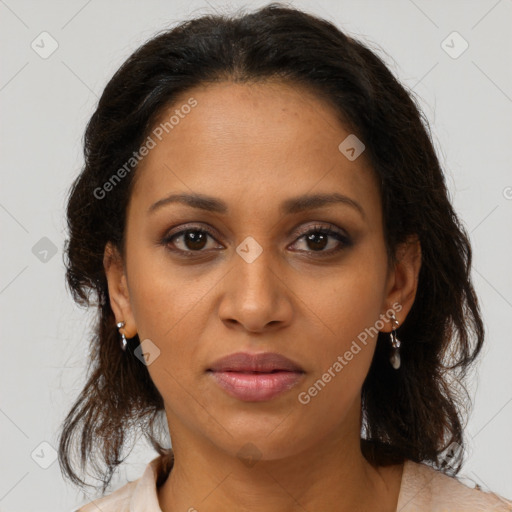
column 256, row 377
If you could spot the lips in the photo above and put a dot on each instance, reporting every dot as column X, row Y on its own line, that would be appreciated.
column 256, row 377
column 266, row 362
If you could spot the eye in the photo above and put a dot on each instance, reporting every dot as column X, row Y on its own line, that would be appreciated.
column 195, row 240
column 189, row 240
column 316, row 240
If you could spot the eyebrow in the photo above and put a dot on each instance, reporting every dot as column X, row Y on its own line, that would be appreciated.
column 289, row 206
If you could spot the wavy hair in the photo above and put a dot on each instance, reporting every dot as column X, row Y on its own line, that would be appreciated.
column 415, row 412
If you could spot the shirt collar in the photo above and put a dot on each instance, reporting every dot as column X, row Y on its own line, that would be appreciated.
column 145, row 497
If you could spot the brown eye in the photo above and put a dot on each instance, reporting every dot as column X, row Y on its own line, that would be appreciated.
column 317, row 239
column 189, row 240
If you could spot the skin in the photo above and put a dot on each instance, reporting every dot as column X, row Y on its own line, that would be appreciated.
column 254, row 146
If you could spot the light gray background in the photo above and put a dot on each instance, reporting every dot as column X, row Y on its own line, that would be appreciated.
column 45, row 104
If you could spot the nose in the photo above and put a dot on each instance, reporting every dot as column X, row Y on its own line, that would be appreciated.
column 256, row 297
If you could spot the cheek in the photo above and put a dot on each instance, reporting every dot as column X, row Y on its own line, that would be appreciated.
column 163, row 295
column 342, row 362
column 349, row 310
column 166, row 307
column 351, row 301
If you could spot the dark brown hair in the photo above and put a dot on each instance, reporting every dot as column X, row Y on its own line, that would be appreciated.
column 413, row 413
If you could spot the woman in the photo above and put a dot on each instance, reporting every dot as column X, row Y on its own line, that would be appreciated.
column 281, row 279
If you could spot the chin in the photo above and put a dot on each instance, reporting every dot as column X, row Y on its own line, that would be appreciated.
column 264, row 439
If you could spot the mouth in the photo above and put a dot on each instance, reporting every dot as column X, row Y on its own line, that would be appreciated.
column 265, row 362
column 256, row 377
column 256, row 386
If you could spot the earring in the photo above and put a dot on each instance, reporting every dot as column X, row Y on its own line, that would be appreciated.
column 395, row 344
column 124, row 343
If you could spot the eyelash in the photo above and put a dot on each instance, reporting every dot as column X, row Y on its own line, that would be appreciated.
column 318, row 229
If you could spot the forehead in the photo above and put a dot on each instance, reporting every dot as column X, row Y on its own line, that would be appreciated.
column 249, row 142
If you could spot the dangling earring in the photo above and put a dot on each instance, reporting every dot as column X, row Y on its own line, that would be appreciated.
column 124, row 343
column 395, row 344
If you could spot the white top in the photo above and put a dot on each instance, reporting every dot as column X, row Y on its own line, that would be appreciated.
column 423, row 489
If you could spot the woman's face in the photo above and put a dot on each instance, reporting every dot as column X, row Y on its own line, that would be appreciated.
column 253, row 273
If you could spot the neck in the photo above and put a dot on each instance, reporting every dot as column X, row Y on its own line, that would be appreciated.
column 330, row 476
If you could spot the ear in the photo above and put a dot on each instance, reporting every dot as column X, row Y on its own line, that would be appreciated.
column 402, row 282
column 118, row 290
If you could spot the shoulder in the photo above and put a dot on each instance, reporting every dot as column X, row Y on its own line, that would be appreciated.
column 118, row 501
column 137, row 496
column 427, row 489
